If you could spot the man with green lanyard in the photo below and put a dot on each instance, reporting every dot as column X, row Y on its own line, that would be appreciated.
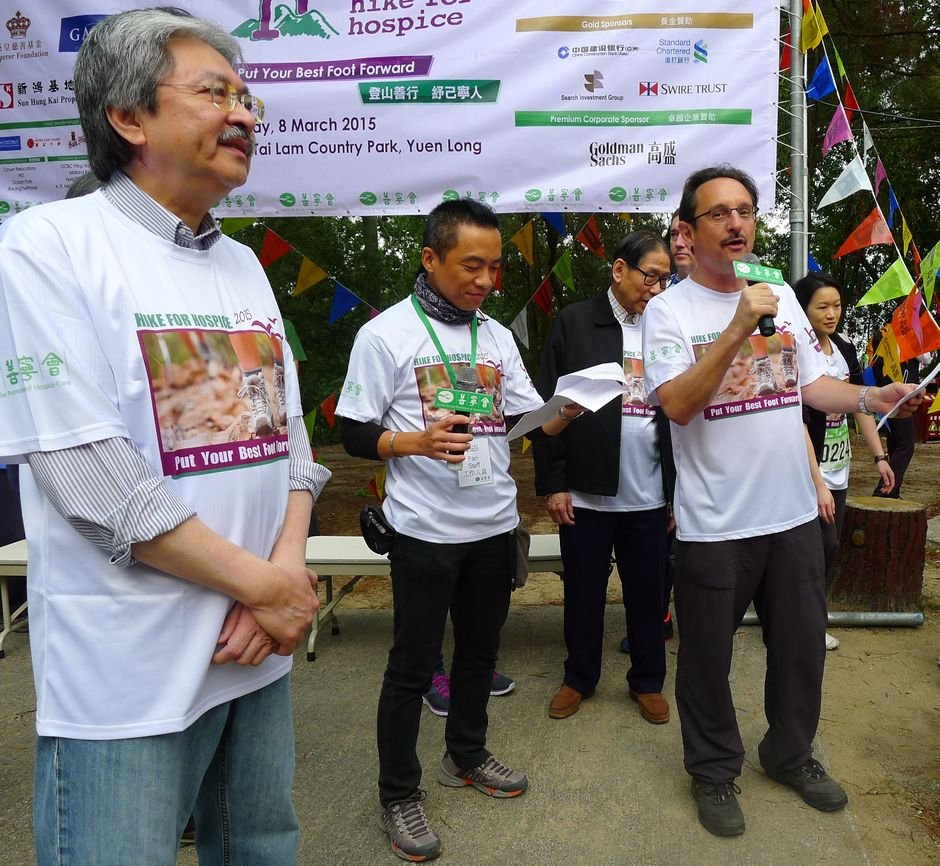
column 420, row 375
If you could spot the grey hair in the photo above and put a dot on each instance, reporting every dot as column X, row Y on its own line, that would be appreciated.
column 120, row 64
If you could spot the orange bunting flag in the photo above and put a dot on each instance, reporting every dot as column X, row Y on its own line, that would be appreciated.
column 328, row 408
column 872, row 230
column 525, row 240
column 273, row 247
column 888, row 351
column 309, row 275
column 543, row 296
column 915, row 328
column 590, row 238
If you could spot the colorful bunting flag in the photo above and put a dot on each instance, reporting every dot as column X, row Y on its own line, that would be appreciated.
column 785, row 53
column 309, row 275
column 273, row 247
column 343, row 301
column 888, row 351
column 813, row 264
column 811, row 34
column 232, row 225
column 906, row 236
column 543, row 296
column 498, row 282
column 872, row 230
column 840, row 66
column 590, row 238
column 866, row 141
column 525, row 240
column 915, row 328
column 328, row 408
column 929, row 268
column 822, row 83
column 556, row 221
column 880, row 175
column 309, row 420
column 562, row 270
column 854, row 178
column 838, row 131
column 377, row 483
column 850, row 102
column 935, row 406
column 892, row 205
column 526, row 444
column 520, row 327
column 895, row 282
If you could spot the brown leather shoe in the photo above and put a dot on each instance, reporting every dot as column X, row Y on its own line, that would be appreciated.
column 653, row 707
column 565, row 702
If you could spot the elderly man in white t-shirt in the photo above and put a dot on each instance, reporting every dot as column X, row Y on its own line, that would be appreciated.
column 745, row 505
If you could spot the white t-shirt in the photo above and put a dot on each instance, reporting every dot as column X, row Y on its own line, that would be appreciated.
column 836, row 458
column 393, row 376
column 113, row 331
column 742, row 463
column 641, row 482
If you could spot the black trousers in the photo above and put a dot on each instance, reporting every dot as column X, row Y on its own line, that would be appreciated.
column 715, row 581
column 638, row 540
column 473, row 580
column 900, row 453
column 831, row 533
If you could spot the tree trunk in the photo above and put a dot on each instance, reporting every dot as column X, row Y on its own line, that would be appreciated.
column 881, row 556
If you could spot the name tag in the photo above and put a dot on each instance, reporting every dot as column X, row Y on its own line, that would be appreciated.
column 477, row 467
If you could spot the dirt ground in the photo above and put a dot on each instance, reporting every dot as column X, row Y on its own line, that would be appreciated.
column 880, row 723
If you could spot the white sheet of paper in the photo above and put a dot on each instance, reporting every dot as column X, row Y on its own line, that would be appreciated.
column 592, row 388
column 923, row 384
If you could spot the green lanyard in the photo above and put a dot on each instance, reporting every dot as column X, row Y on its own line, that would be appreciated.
column 437, row 343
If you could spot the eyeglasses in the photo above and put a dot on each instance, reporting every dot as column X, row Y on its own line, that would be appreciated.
column 664, row 280
column 721, row 214
column 223, row 95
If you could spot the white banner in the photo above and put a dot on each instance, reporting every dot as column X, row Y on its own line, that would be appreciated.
column 388, row 106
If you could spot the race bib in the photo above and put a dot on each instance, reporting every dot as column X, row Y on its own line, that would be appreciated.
column 837, row 452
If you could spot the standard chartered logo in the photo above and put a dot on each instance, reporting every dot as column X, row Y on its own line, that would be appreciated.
column 700, row 52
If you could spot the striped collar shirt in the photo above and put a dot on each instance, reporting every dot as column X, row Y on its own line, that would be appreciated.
column 136, row 205
column 620, row 314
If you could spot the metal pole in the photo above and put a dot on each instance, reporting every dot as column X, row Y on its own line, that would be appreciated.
column 859, row 619
column 799, row 187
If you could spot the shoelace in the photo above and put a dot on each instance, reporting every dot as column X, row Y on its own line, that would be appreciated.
column 812, row 769
column 409, row 815
column 723, row 792
column 489, row 769
column 441, row 683
column 253, row 388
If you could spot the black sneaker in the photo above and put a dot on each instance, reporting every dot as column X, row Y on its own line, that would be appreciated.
column 718, row 808
column 814, row 785
column 406, row 824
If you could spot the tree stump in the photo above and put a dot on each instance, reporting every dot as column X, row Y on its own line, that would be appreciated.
column 881, row 555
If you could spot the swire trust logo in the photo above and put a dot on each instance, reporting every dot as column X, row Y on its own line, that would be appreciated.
column 649, row 88
column 277, row 19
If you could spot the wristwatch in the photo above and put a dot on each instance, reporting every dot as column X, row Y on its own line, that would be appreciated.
column 565, row 417
column 879, row 458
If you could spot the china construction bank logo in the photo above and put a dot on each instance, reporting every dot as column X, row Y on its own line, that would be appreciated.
column 278, row 19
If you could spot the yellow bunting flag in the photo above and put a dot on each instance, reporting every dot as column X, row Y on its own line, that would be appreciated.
column 812, row 33
column 906, row 236
column 310, row 274
column 888, row 350
column 526, row 444
column 524, row 239
column 935, row 406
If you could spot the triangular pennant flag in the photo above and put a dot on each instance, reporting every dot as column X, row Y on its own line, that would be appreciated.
column 928, row 272
column 888, row 351
column 839, row 130
column 498, row 281
column 343, row 301
column 543, row 296
column 906, row 236
column 785, row 53
column 626, row 217
column 328, row 408
column 935, row 406
column 880, row 175
column 562, row 270
column 811, row 35
column 310, row 274
column 872, row 230
column 373, row 312
column 556, row 221
column 377, row 482
column 822, row 83
column 840, row 66
column 231, row 225
column 526, row 444
column 850, row 102
column 525, row 240
column 273, row 247
column 915, row 254
column 915, row 328
column 866, row 141
column 823, row 26
column 590, row 238
column 309, row 420
column 813, row 264
column 892, row 205
column 895, row 282
column 853, row 179
column 520, row 327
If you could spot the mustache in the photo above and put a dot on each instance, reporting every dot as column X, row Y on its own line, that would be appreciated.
column 235, row 133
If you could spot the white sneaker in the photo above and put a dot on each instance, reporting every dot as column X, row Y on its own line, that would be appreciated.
column 831, row 642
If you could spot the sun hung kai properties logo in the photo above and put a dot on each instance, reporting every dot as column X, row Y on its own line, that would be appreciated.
column 276, row 19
